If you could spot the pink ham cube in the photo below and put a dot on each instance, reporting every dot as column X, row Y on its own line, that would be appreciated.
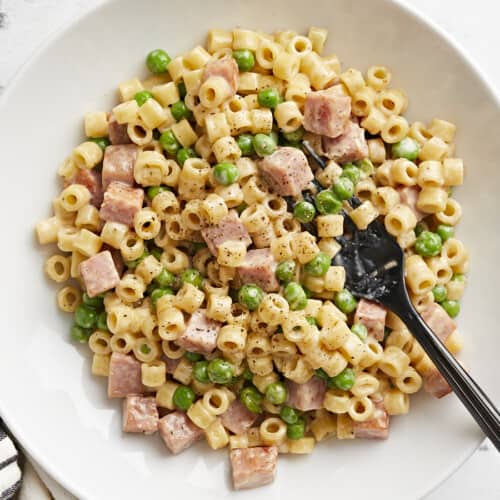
column 375, row 428
column 348, row 147
column 259, row 268
column 238, row 418
column 200, row 334
column 435, row 384
column 286, row 171
column 230, row 228
column 226, row 68
column 408, row 196
column 118, row 165
column 372, row 315
column 253, row 467
column 124, row 376
column 438, row 321
column 99, row 273
column 121, row 203
column 178, row 432
column 117, row 132
column 308, row 396
column 327, row 112
column 91, row 179
column 140, row 414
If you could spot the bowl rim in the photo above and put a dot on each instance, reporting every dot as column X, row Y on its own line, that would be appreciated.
column 417, row 16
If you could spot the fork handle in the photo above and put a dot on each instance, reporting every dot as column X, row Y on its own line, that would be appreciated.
column 465, row 387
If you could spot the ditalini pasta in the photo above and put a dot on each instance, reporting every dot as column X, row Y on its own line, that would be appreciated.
column 193, row 240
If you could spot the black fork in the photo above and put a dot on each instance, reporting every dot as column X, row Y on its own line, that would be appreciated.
column 374, row 264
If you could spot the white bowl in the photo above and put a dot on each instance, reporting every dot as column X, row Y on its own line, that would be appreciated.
column 47, row 396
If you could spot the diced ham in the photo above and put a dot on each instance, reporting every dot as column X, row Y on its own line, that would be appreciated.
column 350, row 146
column 140, row 414
column 124, row 376
column 170, row 363
column 178, row 432
column 226, row 68
column 253, row 467
column 117, row 257
column 286, row 171
column 408, row 196
column 118, row 165
column 372, row 315
column 91, row 179
column 435, row 384
column 121, row 203
column 117, row 133
column 375, row 428
column 327, row 112
column 238, row 418
column 99, row 273
column 308, row 396
column 230, row 228
column 259, row 268
column 200, row 334
column 438, row 321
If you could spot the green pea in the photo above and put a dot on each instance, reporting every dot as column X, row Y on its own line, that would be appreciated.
column 268, row 98
column 428, row 244
column 420, row 228
column 142, row 96
column 95, row 302
column 145, row 349
column 79, row 334
column 360, row 330
column 289, row 415
column 85, row 316
column 184, row 154
column 241, row 207
column 264, row 145
column 180, row 111
column 351, row 172
column 156, row 252
column 181, row 87
column 169, row 142
column 247, row 375
column 183, row 397
column 226, row 173
column 152, row 191
column 250, row 296
column 296, row 430
column 285, row 270
column 132, row 264
column 366, row 166
column 197, row 246
column 295, row 136
column 276, row 393
column 343, row 187
column 157, row 61
column 200, row 372
column 220, row 371
column 244, row 59
column 304, row 211
column 406, row 148
column 439, row 292
column 160, row 292
column 327, row 202
column 344, row 380
column 452, row 307
column 245, row 143
column 102, row 142
column 345, row 301
column 102, row 321
column 192, row 356
column 165, row 278
column 320, row 373
column 459, row 277
column 312, row 321
column 252, row 399
column 319, row 265
column 309, row 294
column 445, row 232
column 295, row 296
column 192, row 276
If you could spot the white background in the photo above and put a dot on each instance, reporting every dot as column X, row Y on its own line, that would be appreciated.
column 24, row 24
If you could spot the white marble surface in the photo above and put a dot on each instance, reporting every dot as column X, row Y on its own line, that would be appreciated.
column 24, row 24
